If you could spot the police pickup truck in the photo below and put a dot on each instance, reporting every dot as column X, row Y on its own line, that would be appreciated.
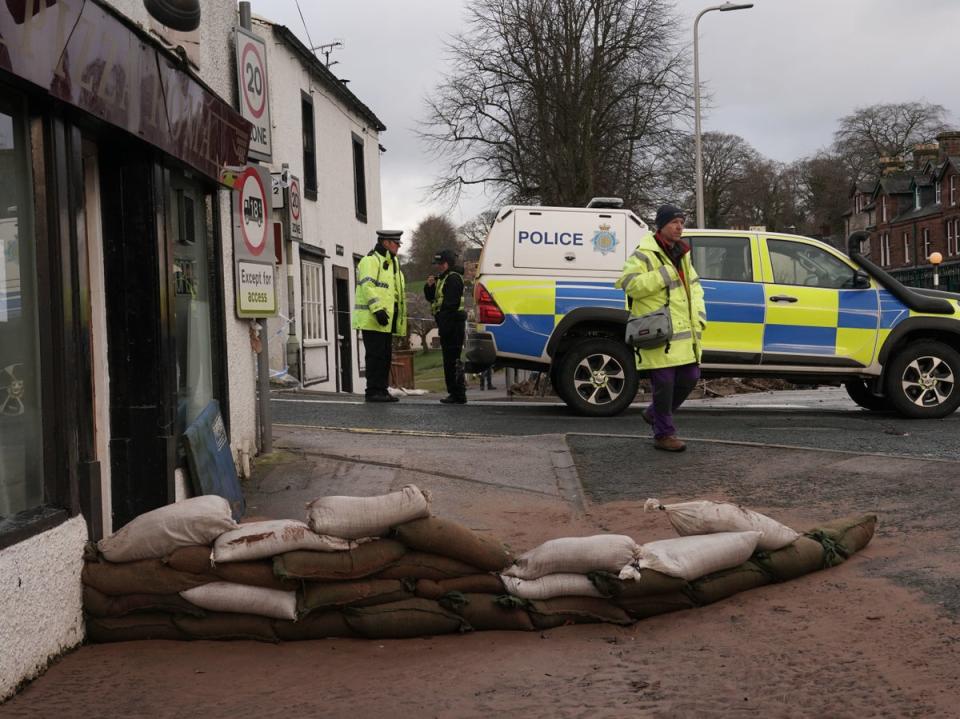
column 778, row 305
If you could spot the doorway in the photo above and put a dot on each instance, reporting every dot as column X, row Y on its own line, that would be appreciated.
column 341, row 313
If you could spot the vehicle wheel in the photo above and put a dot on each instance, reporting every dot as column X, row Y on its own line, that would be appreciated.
column 923, row 380
column 598, row 377
column 860, row 392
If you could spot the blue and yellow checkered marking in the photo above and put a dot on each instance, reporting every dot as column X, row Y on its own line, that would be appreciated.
column 741, row 302
column 570, row 295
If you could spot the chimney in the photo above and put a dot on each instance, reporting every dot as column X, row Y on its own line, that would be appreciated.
column 949, row 143
column 890, row 165
column 924, row 152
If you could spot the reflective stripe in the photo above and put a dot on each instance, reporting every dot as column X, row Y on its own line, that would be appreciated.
column 682, row 336
column 640, row 255
column 703, row 315
column 627, row 279
column 696, row 281
column 667, row 280
column 382, row 285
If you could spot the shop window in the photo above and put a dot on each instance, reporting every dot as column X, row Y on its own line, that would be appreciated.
column 359, row 180
column 190, row 220
column 21, row 465
column 309, row 147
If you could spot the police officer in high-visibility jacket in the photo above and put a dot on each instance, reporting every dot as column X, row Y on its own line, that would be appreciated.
column 658, row 273
column 380, row 311
column 445, row 295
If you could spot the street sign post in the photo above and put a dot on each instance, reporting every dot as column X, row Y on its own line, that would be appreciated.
column 254, row 91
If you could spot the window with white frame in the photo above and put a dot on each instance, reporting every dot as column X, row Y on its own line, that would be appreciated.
column 885, row 249
column 953, row 190
column 883, row 209
column 907, row 259
column 916, row 198
column 936, row 192
column 926, row 242
column 312, row 273
column 951, row 249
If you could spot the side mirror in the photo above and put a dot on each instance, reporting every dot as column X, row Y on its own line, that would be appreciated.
column 861, row 280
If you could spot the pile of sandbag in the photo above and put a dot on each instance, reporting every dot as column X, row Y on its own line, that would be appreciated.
column 384, row 567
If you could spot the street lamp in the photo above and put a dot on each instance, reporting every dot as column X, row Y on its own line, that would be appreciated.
column 935, row 259
column 726, row 7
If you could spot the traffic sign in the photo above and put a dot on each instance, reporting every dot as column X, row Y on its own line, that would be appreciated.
column 296, row 224
column 254, row 91
column 253, row 210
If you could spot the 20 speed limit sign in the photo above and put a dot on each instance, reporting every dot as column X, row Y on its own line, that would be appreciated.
column 254, row 91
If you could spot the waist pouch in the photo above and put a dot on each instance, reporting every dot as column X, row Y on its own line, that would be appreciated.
column 654, row 329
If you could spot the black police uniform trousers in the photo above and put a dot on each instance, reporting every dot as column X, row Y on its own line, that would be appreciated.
column 452, row 329
column 378, row 350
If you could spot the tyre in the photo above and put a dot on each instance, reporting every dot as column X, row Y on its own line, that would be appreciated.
column 555, row 377
column 861, row 393
column 598, row 377
column 923, row 380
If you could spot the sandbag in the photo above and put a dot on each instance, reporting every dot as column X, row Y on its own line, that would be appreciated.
column 257, row 573
column 419, row 565
column 243, row 599
column 199, row 520
column 578, row 555
column 551, row 613
column 851, row 533
column 651, row 605
column 363, row 561
column 98, row 604
column 450, row 539
column 471, row 584
column 257, row 540
column 361, row 593
column 696, row 556
column 133, row 628
column 356, row 517
column 550, row 586
column 721, row 585
column 706, row 517
column 146, row 576
column 802, row 557
column 650, row 583
column 318, row 625
column 484, row 613
column 227, row 626
column 402, row 620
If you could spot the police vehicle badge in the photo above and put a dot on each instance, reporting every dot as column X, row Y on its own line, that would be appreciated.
column 604, row 241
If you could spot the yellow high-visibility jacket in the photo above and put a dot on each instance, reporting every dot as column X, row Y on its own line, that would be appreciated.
column 380, row 286
column 646, row 278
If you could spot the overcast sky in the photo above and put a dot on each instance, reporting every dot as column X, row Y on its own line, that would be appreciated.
column 780, row 74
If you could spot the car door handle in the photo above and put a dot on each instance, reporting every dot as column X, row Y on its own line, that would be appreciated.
column 783, row 298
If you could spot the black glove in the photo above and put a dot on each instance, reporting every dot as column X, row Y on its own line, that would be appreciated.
column 382, row 317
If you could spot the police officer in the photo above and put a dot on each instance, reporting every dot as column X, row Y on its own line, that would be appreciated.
column 380, row 311
column 445, row 295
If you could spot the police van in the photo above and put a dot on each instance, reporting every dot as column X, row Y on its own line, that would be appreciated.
column 778, row 305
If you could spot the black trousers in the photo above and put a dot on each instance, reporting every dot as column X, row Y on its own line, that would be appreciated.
column 378, row 349
column 452, row 334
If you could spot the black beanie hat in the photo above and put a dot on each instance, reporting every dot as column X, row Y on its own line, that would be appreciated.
column 668, row 213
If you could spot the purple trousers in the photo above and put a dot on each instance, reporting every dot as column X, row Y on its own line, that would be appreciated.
column 671, row 386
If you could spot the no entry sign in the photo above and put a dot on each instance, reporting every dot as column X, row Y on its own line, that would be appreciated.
column 254, row 91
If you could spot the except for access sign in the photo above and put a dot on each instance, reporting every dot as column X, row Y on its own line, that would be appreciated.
column 254, row 91
column 256, row 291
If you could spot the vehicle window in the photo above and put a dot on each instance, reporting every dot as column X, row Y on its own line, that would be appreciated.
column 722, row 258
column 796, row 263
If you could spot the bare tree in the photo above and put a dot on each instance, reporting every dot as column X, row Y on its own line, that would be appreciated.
column 886, row 130
column 557, row 101
column 434, row 233
column 474, row 232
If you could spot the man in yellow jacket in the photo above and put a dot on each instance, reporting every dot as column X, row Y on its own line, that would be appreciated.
column 380, row 311
column 659, row 273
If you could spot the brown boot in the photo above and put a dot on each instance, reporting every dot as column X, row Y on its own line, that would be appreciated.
column 669, row 444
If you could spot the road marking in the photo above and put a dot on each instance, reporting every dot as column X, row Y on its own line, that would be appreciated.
column 385, row 430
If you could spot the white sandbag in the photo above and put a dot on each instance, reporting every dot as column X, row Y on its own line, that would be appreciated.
column 198, row 520
column 706, row 517
column 550, row 586
column 243, row 599
column 257, row 540
column 356, row 517
column 601, row 552
column 693, row 557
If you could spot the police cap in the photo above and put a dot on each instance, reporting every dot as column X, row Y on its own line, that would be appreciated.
column 389, row 235
column 448, row 256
